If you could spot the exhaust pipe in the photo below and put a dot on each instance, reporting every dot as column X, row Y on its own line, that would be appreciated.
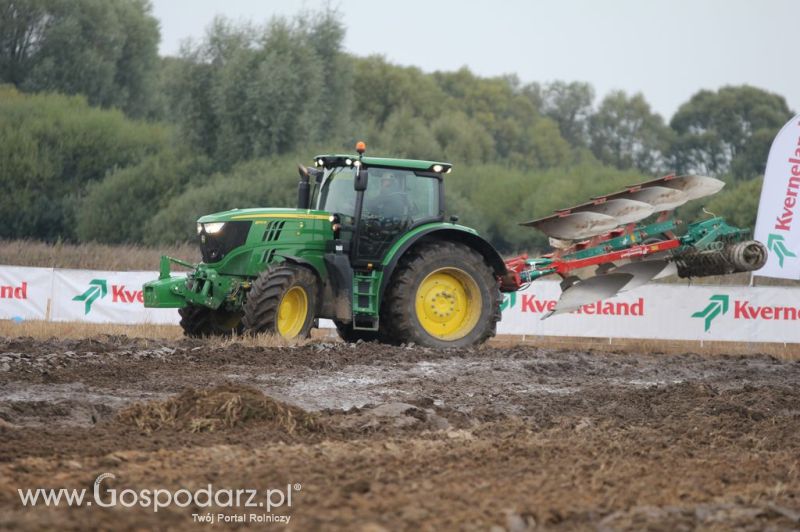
column 303, row 188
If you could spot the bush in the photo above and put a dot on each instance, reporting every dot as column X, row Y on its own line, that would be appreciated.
column 258, row 183
column 116, row 209
column 51, row 148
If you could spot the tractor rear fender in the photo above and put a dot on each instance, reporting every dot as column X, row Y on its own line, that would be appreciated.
column 448, row 233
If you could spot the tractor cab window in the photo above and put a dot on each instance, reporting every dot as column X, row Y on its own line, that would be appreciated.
column 395, row 200
column 400, row 196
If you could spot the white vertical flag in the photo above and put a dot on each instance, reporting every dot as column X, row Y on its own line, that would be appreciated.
column 778, row 223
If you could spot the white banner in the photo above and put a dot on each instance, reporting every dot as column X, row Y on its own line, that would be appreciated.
column 24, row 292
column 105, row 297
column 662, row 311
column 776, row 226
column 654, row 311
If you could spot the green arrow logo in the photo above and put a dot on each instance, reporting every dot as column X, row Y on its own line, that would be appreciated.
column 777, row 245
column 717, row 305
column 509, row 300
column 98, row 288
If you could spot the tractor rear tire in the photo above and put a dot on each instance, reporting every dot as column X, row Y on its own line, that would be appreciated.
column 198, row 321
column 282, row 301
column 443, row 294
column 351, row 336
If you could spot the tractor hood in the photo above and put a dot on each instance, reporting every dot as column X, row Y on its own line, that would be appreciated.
column 235, row 215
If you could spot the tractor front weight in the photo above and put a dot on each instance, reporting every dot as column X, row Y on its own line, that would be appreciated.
column 203, row 287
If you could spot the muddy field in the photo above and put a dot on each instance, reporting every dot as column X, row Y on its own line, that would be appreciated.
column 370, row 437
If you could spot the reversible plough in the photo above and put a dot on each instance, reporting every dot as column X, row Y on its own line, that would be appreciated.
column 600, row 249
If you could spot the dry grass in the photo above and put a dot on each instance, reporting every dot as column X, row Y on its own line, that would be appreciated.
column 45, row 330
column 263, row 340
column 91, row 256
column 223, row 407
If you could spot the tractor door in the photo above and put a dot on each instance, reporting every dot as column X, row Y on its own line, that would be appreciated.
column 394, row 202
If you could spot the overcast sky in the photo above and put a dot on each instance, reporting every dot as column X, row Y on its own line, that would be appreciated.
column 665, row 49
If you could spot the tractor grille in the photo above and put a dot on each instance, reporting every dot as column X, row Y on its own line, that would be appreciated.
column 273, row 230
column 215, row 247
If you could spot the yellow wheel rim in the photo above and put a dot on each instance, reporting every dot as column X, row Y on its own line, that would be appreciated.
column 292, row 312
column 448, row 304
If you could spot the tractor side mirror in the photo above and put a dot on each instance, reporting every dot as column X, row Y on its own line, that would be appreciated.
column 360, row 182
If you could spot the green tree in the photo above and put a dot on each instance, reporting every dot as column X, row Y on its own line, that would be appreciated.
column 405, row 135
column 106, row 50
column 569, row 104
column 625, row 133
column 325, row 34
column 23, row 26
column 729, row 130
column 381, row 89
column 462, row 139
column 251, row 91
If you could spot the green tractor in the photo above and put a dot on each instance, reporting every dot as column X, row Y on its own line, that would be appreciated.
column 368, row 247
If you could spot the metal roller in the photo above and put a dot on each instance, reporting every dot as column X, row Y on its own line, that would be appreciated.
column 747, row 256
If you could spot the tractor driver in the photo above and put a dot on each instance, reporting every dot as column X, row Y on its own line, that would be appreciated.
column 391, row 202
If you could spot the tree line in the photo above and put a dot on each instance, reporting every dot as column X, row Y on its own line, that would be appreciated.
column 103, row 140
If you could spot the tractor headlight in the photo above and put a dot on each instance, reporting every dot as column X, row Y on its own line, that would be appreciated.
column 437, row 168
column 213, row 228
column 199, row 228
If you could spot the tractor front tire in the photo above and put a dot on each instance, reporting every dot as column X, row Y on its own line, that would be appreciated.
column 282, row 301
column 442, row 295
column 198, row 321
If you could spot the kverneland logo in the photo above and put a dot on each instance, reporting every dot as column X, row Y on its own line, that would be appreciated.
column 744, row 309
column 14, row 292
column 783, row 222
column 530, row 303
column 98, row 289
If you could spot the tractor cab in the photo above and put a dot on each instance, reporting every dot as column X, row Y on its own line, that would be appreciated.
column 375, row 201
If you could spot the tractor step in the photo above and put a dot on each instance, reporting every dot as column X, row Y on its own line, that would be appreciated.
column 365, row 301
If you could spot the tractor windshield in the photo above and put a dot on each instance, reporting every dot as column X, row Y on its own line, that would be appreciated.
column 337, row 194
